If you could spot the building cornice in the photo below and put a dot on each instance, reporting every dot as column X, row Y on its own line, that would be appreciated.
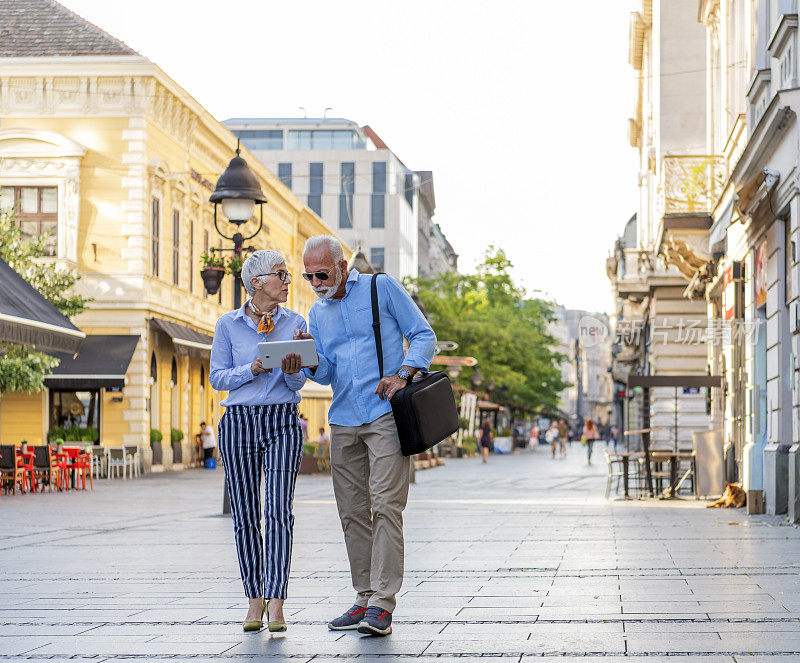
column 781, row 33
column 769, row 130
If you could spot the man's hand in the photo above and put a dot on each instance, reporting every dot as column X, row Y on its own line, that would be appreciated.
column 300, row 335
column 388, row 387
column 291, row 364
column 257, row 367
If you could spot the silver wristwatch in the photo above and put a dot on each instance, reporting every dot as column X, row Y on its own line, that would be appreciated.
column 404, row 373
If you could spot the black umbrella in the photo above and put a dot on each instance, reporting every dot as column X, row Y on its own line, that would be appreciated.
column 29, row 319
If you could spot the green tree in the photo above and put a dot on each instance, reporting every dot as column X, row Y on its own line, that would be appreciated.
column 495, row 321
column 23, row 369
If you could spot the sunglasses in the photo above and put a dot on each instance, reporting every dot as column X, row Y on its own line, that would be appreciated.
column 282, row 274
column 322, row 276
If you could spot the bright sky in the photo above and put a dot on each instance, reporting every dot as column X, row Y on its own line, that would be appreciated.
column 518, row 107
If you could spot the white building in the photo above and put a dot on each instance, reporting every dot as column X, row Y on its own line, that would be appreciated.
column 349, row 177
column 436, row 255
column 676, row 179
column 589, row 395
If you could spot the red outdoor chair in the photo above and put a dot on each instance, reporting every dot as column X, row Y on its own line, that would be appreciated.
column 81, row 464
column 25, row 463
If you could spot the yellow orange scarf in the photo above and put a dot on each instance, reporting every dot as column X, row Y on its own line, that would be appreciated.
column 266, row 325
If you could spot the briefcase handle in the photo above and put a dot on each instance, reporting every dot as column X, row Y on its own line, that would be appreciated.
column 376, row 330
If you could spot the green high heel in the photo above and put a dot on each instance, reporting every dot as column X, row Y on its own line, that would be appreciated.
column 275, row 627
column 256, row 624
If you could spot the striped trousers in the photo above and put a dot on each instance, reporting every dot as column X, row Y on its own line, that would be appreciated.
column 256, row 439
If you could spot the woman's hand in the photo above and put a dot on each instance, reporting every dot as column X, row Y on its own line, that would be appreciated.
column 291, row 364
column 257, row 367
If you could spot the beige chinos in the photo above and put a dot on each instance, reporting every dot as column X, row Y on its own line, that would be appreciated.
column 370, row 481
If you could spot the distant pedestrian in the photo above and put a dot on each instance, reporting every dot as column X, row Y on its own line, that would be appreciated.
column 615, row 436
column 563, row 435
column 487, row 438
column 208, row 440
column 552, row 437
column 534, row 437
column 304, row 427
column 323, row 437
column 590, row 434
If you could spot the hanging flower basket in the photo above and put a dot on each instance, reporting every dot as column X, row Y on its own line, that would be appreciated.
column 214, row 270
column 212, row 279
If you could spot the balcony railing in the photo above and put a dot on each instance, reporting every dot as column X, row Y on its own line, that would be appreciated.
column 690, row 184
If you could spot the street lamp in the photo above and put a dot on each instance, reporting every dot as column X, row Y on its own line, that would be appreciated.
column 238, row 192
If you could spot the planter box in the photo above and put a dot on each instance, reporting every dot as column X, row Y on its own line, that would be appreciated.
column 157, row 453
column 308, row 465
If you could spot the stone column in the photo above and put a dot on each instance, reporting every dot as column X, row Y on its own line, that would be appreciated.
column 794, row 483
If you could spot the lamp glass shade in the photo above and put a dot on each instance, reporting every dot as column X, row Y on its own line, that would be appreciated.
column 238, row 209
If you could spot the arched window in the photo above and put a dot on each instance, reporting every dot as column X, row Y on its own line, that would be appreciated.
column 174, row 376
column 202, row 377
column 154, row 396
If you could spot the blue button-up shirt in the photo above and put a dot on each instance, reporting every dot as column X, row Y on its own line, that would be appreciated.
column 235, row 348
column 348, row 359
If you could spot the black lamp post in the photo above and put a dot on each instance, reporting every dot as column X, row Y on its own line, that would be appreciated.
column 238, row 191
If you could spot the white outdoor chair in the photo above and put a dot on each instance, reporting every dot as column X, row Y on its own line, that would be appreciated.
column 132, row 458
column 99, row 461
column 118, row 462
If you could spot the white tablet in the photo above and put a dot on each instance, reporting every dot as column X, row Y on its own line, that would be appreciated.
column 273, row 352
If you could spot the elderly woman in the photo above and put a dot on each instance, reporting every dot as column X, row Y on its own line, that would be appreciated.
column 260, row 432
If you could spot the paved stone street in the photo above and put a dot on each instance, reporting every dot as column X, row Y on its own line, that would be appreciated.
column 515, row 559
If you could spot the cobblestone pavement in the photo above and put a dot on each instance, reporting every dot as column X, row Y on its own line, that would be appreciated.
column 516, row 559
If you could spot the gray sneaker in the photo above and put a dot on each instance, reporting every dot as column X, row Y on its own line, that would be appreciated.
column 377, row 621
column 349, row 621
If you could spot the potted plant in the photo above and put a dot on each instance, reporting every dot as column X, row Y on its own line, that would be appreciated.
column 175, row 438
column 235, row 264
column 308, row 464
column 155, row 444
column 213, row 271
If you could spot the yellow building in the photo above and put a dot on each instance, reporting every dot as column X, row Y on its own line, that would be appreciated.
column 103, row 149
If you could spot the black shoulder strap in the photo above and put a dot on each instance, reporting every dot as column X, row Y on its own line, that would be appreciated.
column 376, row 323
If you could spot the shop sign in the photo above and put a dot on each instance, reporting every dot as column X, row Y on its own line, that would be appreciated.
column 761, row 274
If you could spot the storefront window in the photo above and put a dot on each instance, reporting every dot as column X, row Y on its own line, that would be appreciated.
column 74, row 409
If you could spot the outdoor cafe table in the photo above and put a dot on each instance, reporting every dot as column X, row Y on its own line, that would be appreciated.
column 625, row 457
column 674, row 458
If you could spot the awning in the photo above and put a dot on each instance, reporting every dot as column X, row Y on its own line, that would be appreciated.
column 719, row 231
column 187, row 341
column 102, row 363
column 488, row 405
column 29, row 319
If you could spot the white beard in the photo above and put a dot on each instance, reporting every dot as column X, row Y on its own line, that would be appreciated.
column 329, row 291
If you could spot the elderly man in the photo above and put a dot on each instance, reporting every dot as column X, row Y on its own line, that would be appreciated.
column 370, row 475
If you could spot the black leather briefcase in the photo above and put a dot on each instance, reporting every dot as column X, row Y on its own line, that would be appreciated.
column 425, row 410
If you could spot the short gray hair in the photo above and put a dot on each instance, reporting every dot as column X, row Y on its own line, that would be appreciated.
column 327, row 241
column 260, row 262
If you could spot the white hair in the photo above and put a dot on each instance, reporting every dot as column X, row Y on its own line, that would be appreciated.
column 260, row 262
column 327, row 241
